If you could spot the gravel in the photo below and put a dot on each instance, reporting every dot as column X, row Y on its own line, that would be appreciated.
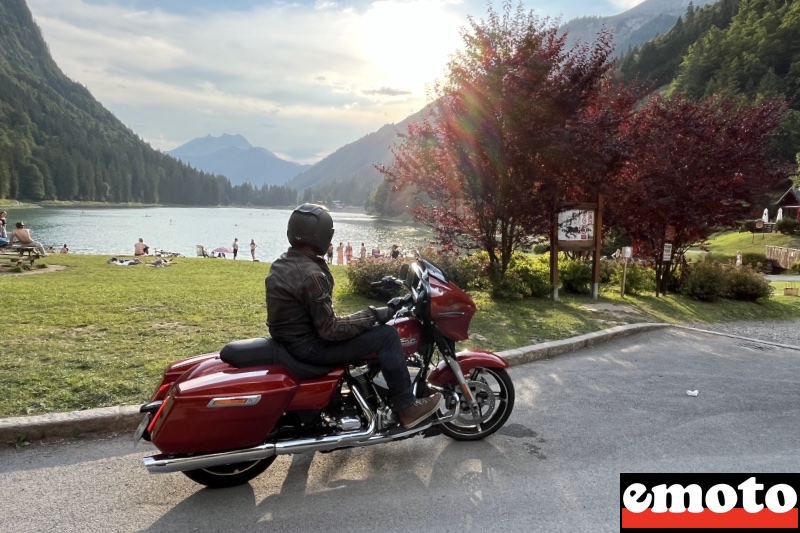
column 779, row 331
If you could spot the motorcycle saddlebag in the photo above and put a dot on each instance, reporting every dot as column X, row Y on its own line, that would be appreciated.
column 216, row 407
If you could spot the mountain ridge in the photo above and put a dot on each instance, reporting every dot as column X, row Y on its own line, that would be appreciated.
column 233, row 156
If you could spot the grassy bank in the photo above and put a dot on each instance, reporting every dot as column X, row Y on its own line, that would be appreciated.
column 96, row 334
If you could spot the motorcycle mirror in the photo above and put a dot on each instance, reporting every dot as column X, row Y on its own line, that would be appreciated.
column 403, row 271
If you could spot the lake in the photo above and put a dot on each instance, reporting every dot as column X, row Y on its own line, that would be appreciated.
column 113, row 231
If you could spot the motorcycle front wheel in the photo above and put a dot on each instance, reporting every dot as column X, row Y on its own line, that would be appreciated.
column 494, row 393
column 224, row 476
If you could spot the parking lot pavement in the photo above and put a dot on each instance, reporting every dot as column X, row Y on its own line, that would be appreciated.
column 579, row 421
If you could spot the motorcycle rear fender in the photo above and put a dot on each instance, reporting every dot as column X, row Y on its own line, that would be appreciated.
column 468, row 360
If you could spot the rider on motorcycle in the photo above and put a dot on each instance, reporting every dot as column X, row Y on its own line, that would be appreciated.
column 301, row 317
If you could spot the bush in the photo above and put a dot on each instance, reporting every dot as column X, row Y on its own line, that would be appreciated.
column 41, row 265
column 608, row 270
column 576, row 276
column 748, row 226
column 705, row 281
column 539, row 249
column 532, row 273
column 788, row 226
column 364, row 272
column 753, row 259
column 638, row 279
column 795, row 268
column 746, row 284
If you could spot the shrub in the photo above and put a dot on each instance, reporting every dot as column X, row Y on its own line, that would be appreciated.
column 576, row 276
column 705, row 281
column 608, row 270
column 788, row 226
column 753, row 259
column 541, row 248
column 511, row 286
column 795, row 268
column 532, row 273
column 41, row 265
column 748, row 226
column 638, row 279
column 364, row 272
column 746, row 284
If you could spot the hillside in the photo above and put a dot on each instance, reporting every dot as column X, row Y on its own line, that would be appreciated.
column 657, row 61
column 349, row 173
column 234, row 157
column 632, row 27
column 736, row 49
column 58, row 143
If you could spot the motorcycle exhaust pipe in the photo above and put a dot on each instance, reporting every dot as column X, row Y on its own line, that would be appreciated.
column 163, row 463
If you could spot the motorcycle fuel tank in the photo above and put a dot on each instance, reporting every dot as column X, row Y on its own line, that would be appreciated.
column 216, row 407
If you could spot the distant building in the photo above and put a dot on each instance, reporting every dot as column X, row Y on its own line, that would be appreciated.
column 790, row 203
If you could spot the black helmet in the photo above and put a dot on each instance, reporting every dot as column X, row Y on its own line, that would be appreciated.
column 311, row 224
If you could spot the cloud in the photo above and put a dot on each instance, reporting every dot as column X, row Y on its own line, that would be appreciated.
column 301, row 77
column 387, row 91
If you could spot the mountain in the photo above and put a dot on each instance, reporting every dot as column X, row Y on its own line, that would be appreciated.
column 57, row 142
column 235, row 158
column 349, row 173
column 632, row 27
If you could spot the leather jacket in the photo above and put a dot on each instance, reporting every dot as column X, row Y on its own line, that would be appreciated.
column 299, row 303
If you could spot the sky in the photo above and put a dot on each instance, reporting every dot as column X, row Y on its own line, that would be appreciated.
column 301, row 78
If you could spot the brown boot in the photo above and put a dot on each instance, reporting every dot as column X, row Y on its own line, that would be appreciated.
column 418, row 411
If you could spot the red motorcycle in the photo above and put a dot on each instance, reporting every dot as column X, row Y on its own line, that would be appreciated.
column 222, row 418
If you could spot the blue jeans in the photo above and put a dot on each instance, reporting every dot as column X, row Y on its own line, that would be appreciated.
column 383, row 340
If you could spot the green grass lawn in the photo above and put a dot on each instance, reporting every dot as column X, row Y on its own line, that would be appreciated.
column 729, row 242
column 96, row 335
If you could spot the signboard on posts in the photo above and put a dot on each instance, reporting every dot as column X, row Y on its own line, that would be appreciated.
column 576, row 229
column 667, row 257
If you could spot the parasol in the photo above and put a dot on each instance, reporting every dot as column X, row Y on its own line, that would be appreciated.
column 222, row 250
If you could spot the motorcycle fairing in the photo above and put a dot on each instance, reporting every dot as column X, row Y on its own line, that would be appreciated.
column 468, row 360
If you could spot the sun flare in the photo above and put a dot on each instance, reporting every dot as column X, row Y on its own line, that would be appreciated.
column 408, row 44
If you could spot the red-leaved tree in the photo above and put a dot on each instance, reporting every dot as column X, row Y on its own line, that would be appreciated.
column 519, row 124
column 696, row 166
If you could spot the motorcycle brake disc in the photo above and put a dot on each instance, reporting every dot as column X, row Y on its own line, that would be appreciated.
column 484, row 395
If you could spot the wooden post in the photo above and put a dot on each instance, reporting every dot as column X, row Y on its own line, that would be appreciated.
column 554, row 254
column 598, row 241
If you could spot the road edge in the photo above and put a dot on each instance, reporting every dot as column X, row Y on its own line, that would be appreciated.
column 125, row 418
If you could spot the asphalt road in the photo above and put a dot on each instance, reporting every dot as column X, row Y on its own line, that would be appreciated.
column 579, row 421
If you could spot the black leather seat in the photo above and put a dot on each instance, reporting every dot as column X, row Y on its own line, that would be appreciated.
column 265, row 351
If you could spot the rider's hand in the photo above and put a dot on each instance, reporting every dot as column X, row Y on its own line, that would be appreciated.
column 382, row 314
column 395, row 304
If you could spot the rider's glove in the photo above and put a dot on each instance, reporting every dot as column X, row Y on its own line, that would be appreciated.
column 395, row 304
column 382, row 314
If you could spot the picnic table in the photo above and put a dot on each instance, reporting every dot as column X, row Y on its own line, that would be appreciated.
column 18, row 253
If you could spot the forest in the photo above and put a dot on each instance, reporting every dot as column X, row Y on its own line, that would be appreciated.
column 58, row 143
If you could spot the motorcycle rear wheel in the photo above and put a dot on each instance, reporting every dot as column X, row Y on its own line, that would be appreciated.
column 224, row 476
column 483, row 382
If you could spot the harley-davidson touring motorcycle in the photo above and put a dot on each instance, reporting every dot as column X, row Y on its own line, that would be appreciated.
column 223, row 418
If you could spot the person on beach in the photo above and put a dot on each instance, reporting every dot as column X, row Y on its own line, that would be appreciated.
column 235, row 248
column 140, row 248
column 340, row 254
column 329, row 254
column 363, row 251
column 348, row 253
column 3, row 234
column 395, row 251
column 23, row 235
column 253, row 248
column 64, row 250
